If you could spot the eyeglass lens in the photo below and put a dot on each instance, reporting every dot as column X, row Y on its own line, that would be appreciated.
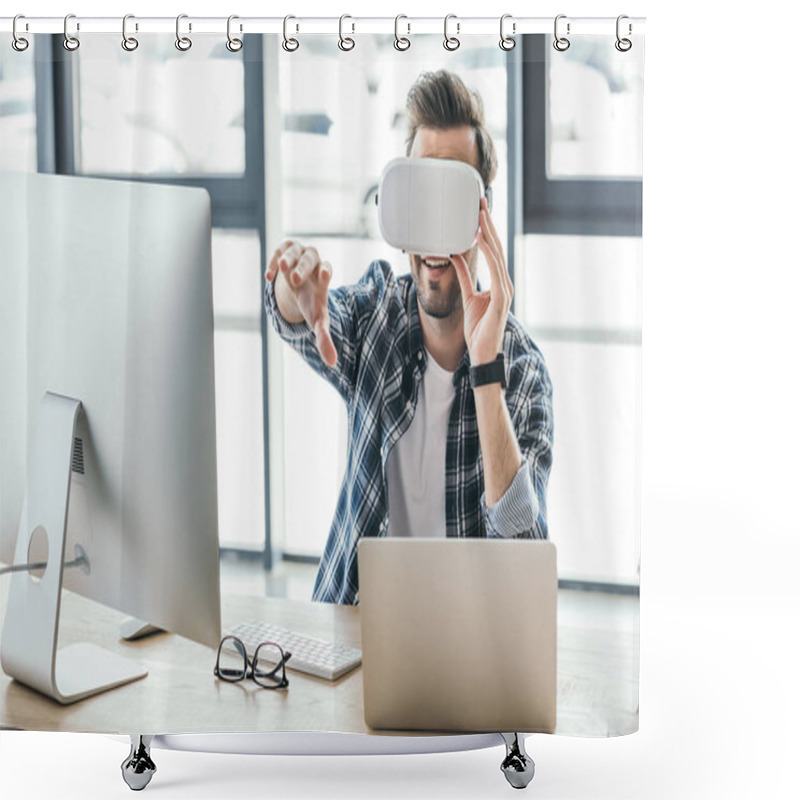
column 269, row 665
column 231, row 659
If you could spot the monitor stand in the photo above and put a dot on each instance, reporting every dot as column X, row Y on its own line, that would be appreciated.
column 30, row 629
column 133, row 628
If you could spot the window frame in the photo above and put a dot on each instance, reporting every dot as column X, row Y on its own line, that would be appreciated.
column 236, row 202
column 565, row 206
column 602, row 207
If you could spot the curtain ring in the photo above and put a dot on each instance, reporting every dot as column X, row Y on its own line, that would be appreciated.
column 233, row 44
column 345, row 42
column 401, row 43
column 561, row 43
column 289, row 45
column 183, row 43
column 451, row 42
column 506, row 42
column 623, row 45
column 129, row 43
column 19, row 43
column 70, row 42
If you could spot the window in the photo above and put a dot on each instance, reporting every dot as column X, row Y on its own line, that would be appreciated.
column 578, row 291
column 593, row 108
column 140, row 116
column 576, row 180
column 108, row 122
column 238, row 377
column 18, row 108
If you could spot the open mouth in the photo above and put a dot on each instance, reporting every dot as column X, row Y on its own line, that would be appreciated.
column 436, row 266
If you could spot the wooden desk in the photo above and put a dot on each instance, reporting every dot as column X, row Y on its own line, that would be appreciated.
column 181, row 694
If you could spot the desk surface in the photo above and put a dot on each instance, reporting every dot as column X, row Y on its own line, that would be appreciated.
column 597, row 680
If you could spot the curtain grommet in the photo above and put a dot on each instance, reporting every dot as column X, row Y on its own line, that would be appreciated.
column 19, row 43
column 289, row 44
column 451, row 43
column 183, row 43
column 71, row 43
column 560, row 43
column 401, row 43
column 623, row 44
column 346, row 43
column 506, row 42
column 129, row 43
column 233, row 44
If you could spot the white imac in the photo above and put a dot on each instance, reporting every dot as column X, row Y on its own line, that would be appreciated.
column 107, row 418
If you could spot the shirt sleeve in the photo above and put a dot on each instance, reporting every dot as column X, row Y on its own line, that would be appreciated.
column 522, row 511
column 349, row 308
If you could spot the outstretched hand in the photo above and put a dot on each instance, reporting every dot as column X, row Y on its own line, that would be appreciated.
column 306, row 279
column 485, row 313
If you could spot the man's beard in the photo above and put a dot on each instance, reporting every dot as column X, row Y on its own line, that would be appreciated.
column 434, row 300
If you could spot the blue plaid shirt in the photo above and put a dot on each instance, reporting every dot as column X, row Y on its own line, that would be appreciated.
column 376, row 328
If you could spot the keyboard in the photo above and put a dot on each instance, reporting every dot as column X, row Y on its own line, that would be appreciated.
column 316, row 657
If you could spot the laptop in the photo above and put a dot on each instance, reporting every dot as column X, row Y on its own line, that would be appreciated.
column 458, row 634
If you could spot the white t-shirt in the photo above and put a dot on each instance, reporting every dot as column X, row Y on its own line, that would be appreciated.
column 415, row 468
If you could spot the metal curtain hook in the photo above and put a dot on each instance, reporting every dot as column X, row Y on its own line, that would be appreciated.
column 70, row 42
column 289, row 44
column 183, row 43
column 451, row 42
column 506, row 42
column 19, row 43
column 233, row 44
column 129, row 43
column 401, row 43
column 623, row 45
column 561, row 43
column 345, row 42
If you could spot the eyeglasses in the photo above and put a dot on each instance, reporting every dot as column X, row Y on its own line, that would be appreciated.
column 267, row 669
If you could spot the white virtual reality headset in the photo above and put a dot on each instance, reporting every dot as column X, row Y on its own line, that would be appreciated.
column 430, row 206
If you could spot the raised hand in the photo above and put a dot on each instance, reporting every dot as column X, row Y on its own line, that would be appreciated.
column 485, row 313
column 301, row 291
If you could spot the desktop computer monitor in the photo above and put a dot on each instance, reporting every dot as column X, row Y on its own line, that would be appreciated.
column 106, row 337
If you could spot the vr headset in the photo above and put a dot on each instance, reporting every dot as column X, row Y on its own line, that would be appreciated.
column 430, row 206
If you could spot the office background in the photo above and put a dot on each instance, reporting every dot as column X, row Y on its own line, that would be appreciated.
column 717, row 604
column 293, row 145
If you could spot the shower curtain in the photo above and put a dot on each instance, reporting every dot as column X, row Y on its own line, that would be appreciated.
column 289, row 136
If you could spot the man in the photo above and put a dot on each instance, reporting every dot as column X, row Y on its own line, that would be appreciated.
column 428, row 454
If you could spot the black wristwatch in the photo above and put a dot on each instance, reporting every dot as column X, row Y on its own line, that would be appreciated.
column 493, row 372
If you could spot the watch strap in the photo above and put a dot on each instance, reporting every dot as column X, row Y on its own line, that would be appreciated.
column 493, row 372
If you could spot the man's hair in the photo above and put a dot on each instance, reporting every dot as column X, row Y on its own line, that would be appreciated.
column 440, row 100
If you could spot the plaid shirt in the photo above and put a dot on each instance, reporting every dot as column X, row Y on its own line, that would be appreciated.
column 376, row 328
